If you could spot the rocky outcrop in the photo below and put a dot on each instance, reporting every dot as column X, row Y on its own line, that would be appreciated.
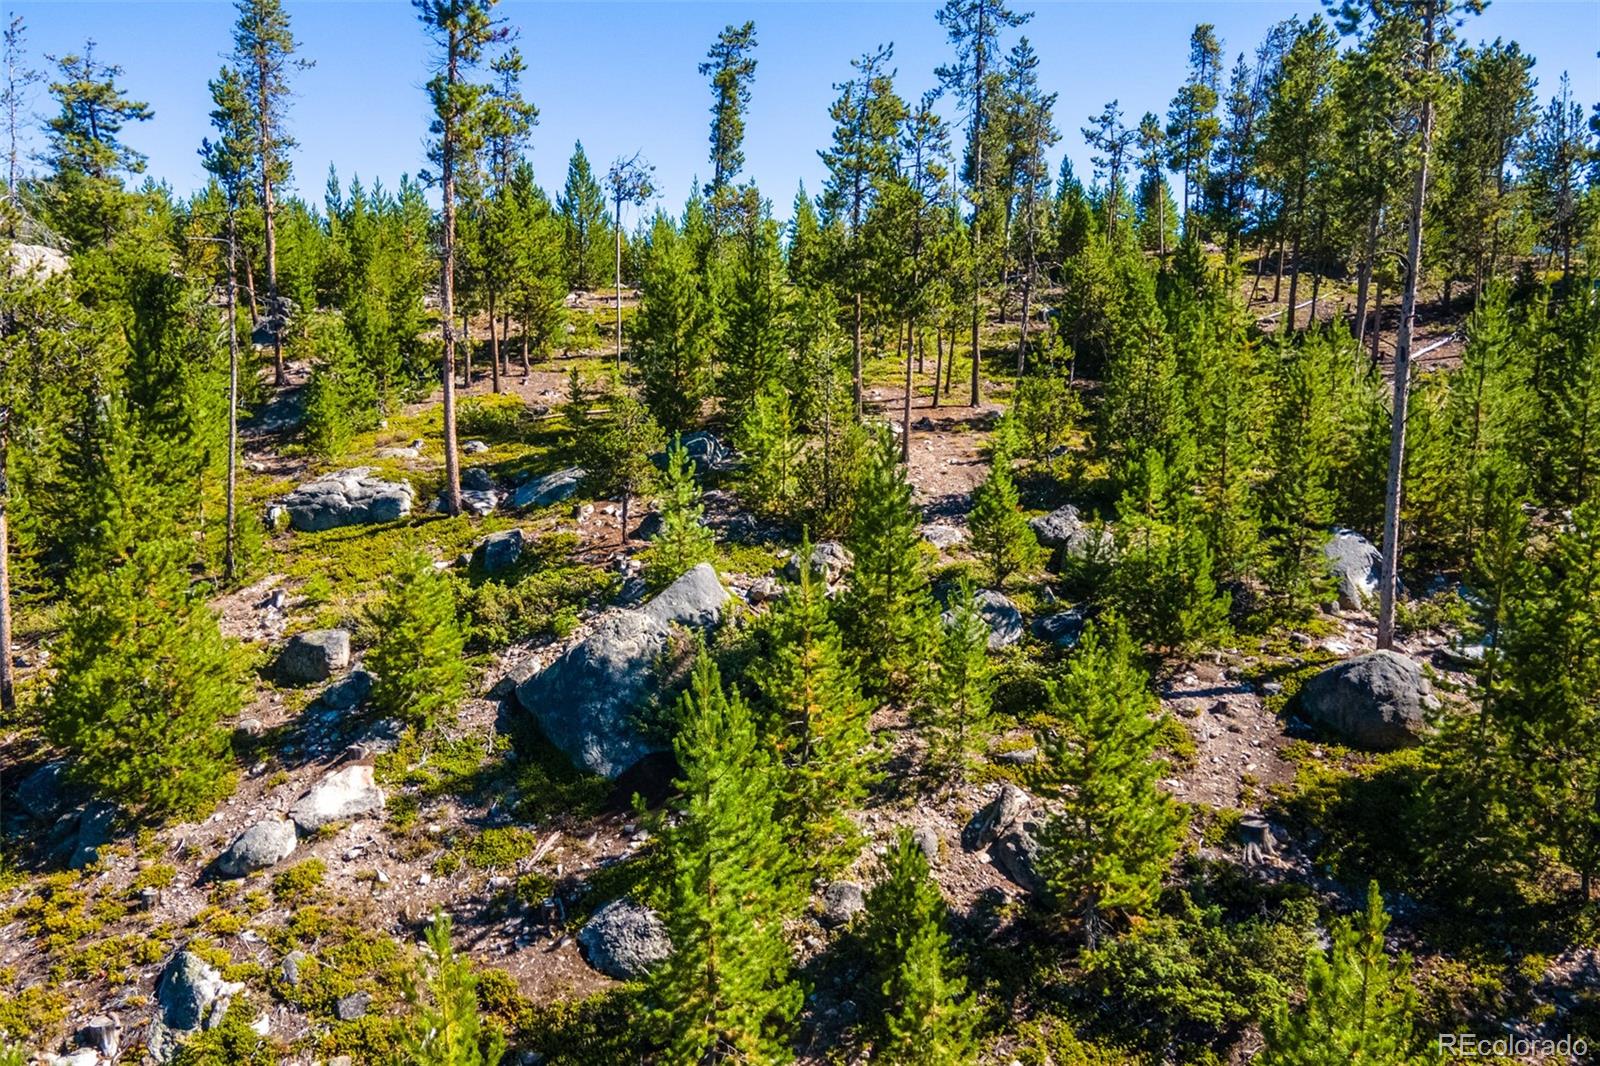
column 944, row 536
column 551, row 488
column 1009, row 804
column 1068, row 535
column 842, row 901
column 1379, row 701
column 192, row 994
column 348, row 692
column 264, row 844
column 347, row 498
column 344, row 794
column 1061, row 629
column 706, row 451
column 37, row 260
column 586, row 701
column 1356, row 565
column 1011, row 836
column 625, row 940
column 313, row 656
column 42, row 795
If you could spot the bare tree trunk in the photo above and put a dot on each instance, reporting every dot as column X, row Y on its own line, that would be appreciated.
column 466, row 349
column 905, row 414
column 447, row 291
column 494, row 348
column 855, row 345
column 1364, row 279
column 8, row 669
column 938, row 360
column 527, row 367
column 619, row 285
column 1402, row 359
column 1294, row 285
column 1277, row 281
column 977, row 305
column 229, row 561
column 1377, row 322
column 269, row 215
column 625, row 495
column 950, row 362
column 922, row 349
column 250, row 292
column 505, row 342
column 1027, row 311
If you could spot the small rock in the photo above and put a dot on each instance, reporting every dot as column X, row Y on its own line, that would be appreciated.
column 764, row 590
column 291, row 967
column 353, row 1006
column 1019, row 757
column 101, row 1033
column 262, row 845
column 926, row 839
column 842, row 901
column 474, row 447
column 314, row 656
column 995, row 817
column 625, row 940
column 348, row 692
column 551, row 488
column 343, row 794
column 830, row 561
column 499, row 551
column 944, row 536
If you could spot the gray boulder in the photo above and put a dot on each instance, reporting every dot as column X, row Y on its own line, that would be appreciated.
column 349, row 1008
column 994, row 817
column 842, row 901
column 89, row 829
column 1379, row 701
column 192, row 994
column 498, row 551
column 36, row 260
column 706, row 452
column 551, row 488
column 349, row 691
column 264, row 844
column 944, row 536
column 830, row 561
column 625, row 940
column 347, row 498
column 1016, row 854
column 1356, row 565
column 313, row 656
column 346, row 793
column 585, row 701
column 101, row 1033
column 474, row 447
column 42, row 794
column 1064, row 530
column 476, row 502
column 1061, row 629
column 477, row 478
column 999, row 614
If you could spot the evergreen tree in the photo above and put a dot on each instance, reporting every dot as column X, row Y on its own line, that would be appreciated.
column 582, row 206
column 885, row 612
column 143, row 680
column 725, row 993
column 341, row 398
column 819, row 723
column 753, row 344
column 1359, row 1003
column 418, row 665
column 673, row 334
column 955, row 712
column 731, row 66
column 85, row 152
column 928, row 1017
column 1000, row 534
column 1109, row 846
column 684, row 540
column 771, row 444
column 1297, row 496
column 446, row 1027
column 1192, row 125
column 616, row 450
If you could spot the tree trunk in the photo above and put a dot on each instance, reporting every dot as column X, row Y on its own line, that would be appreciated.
column 855, row 345
column 1377, row 322
column 977, row 307
column 1364, row 278
column 1027, row 312
column 494, row 348
column 505, row 342
column 1294, row 285
column 466, row 349
column 1277, row 281
column 447, row 288
column 625, row 495
column 527, row 367
column 905, row 414
column 950, row 362
column 619, row 286
column 938, row 360
column 269, row 214
column 8, row 669
column 1402, row 359
column 229, row 562
column 922, row 350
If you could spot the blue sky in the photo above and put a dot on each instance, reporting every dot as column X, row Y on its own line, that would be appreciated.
column 621, row 76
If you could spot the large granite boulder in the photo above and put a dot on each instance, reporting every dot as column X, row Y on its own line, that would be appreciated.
column 344, row 794
column 551, row 488
column 35, row 260
column 264, row 844
column 1379, row 701
column 1356, row 565
column 348, row 498
column 999, row 614
column 313, row 656
column 585, row 701
column 1067, row 535
column 1063, row 628
column 625, row 940
column 42, row 795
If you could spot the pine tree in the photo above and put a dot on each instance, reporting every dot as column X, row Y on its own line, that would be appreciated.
column 754, row 343
column 684, row 539
column 928, row 1017
column 1297, row 496
column 955, row 712
column 85, row 153
column 1359, row 1003
column 771, row 444
column 143, row 680
column 582, row 206
column 417, row 662
column 885, row 611
column 1001, row 535
column 731, row 66
column 616, row 449
column 1109, row 846
column 725, row 993
column 446, row 1027
column 341, row 398
column 819, row 723
column 673, row 334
